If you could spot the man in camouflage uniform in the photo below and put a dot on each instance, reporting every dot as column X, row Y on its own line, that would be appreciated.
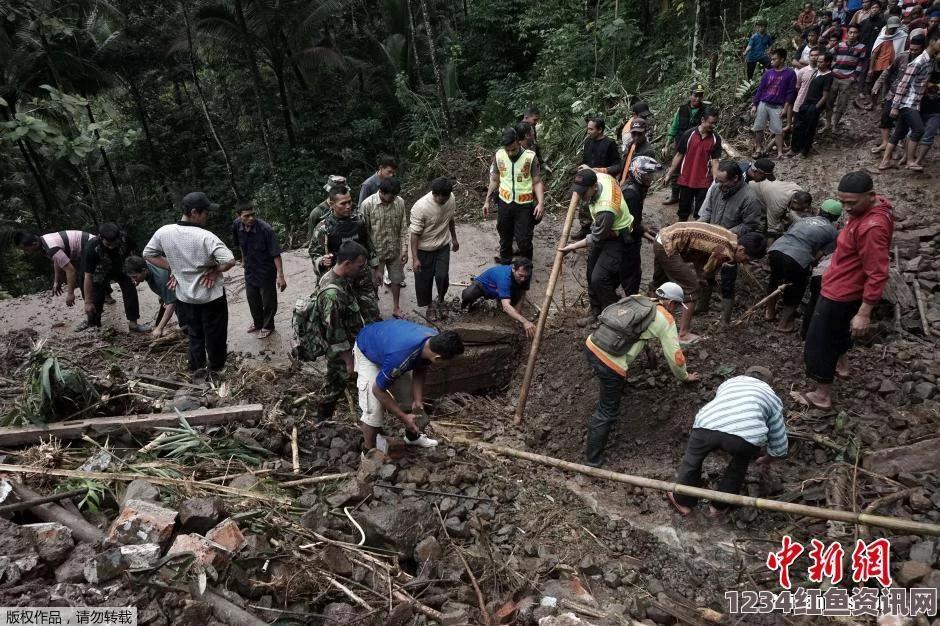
column 342, row 318
column 320, row 211
column 338, row 227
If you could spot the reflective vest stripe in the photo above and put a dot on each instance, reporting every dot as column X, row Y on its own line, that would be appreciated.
column 515, row 177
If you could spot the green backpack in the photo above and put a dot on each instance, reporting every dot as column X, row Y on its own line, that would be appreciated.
column 622, row 323
column 309, row 336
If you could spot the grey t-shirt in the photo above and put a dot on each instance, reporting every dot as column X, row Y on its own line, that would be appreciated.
column 369, row 187
column 807, row 238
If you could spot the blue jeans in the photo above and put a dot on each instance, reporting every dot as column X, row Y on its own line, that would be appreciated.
column 610, row 388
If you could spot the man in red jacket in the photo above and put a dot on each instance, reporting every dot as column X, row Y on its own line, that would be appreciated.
column 851, row 287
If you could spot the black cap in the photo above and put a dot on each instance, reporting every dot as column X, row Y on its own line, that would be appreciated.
column 856, row 182
column 584, row 179
column 639, row 126
column 509, row 137
column 198, row 201
column 697, row 88
column 642, row 109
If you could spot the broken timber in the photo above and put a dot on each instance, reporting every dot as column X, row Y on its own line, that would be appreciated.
column 893, row 523
column 20, row 435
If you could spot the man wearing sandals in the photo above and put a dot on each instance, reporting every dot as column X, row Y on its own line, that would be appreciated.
column 264, row 272
column 905, row 107
column 852, row 286
column 745, row 415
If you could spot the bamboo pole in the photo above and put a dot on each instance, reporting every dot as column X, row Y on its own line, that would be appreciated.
column 313, row 480
column 760, row 303
column 28, row 504
column 546, row 305
column 920, row 308
column 892, row 523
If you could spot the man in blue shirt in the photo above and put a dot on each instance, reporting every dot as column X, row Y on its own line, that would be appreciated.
column 509, row 284
column 391, row 358
column 264, row 274
column 757, row 46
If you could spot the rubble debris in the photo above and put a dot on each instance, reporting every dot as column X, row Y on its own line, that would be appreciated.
column 199, row 515
column 142, row 522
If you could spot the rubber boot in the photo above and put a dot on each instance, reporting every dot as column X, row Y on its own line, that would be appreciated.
column 726, row 305
column 325, row 411
column 596, row 442
column 704, row 299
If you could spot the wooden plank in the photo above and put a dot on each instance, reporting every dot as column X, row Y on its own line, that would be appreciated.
column 20, row 435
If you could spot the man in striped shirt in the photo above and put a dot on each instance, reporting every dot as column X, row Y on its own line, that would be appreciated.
column 64, row 249
column 745, row 415
column 846, row 71
column 905, row 108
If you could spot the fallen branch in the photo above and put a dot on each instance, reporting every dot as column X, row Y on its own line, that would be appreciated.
column 229, row 613
column 760, row 303
column 20, row 435
column 295, row 451
column 893, row 523
column 349, row 593
column 884, row 501
column 920, row 308
column 175, row 482
column 28, row 504
column 79, row 526
column 312, row 480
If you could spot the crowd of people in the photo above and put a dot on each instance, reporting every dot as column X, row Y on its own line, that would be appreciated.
column 729, row 214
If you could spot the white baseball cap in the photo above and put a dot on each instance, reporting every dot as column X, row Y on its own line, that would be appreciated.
column 671, row 291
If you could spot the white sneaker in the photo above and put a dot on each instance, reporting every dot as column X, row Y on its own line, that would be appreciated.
column 423, row 441
column 381, row 443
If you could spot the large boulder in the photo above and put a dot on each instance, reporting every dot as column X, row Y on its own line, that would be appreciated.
column 398, row 526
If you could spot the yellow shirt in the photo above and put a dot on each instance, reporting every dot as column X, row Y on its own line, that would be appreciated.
column 662, row 329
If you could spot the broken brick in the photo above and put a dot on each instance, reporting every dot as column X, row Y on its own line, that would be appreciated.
column 228, row 535
column 53, row 541
column 141, row 522
column 112, row 563
column 206, row 552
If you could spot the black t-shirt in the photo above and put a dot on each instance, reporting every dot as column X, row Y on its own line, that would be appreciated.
column 869, row 29
column 820, row 84
column 601, row 152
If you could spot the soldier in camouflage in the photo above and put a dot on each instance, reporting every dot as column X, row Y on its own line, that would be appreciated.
column 340, row 226
column 342, row 318
column 320, row 211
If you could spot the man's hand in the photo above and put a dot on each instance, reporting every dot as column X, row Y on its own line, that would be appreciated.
column 57, row 287
column 404, row 258
column 537, row 212
column 209, row 277
column 377, row 277
column 156, row 333
column 328, row 260
column 486, row 208
column 753, row 110
column 859, row 325
column 281, row 283
column 408, row 419
column 894, row 114
column 583, row 167
column 693, row 377
column 415, row 264
column 766, row 459
column 529, row 329
column 455, row 245
column 70, row 298
column 171, row 284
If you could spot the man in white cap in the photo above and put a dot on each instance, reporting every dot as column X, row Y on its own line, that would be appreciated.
column 624, row 330
column 744, row 415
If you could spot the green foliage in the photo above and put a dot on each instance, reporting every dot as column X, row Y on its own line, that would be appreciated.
column 96, row 492
column 185, row 443
column 52, row 391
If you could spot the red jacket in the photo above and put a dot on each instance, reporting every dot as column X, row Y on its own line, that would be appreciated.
column 859, row 268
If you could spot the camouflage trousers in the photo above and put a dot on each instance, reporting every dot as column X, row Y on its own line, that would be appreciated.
column 367, row 297
column 336, row 382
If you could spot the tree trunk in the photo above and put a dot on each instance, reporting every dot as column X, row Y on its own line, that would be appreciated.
column 695, row 35
column 437, row 68
column 284, row 105
column 51, row 202
column 145, row 125
column 107, row 163
column 202, row 101
column 413, row 45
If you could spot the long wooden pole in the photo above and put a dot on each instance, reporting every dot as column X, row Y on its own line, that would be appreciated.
column 892, row 523
column 546, row 304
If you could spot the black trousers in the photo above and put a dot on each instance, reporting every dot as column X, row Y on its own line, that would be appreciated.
column 631, row 270
column 703, row 442
column 100, row 291
column 435, row 268
column 208, row 333
column 690, row 201
column 815, row 286
column 603, row 273
column 262, row 303
column 828, row 338
column 804, row 129
column 783, row 269
column 514, row 221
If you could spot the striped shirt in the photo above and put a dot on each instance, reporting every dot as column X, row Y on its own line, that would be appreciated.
column 387, row 225
column 65, row 250
column 849, row 61
column 913, row 84
column 704, row 244
column 190, row 250
column 748, row 408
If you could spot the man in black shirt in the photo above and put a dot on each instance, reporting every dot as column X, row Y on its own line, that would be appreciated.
column 103, row 262
column 598, row 153
column 639, row 146
column 638, row 180
column 817, row 96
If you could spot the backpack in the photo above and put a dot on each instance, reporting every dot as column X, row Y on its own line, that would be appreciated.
column 309, row 336
column 622, row 323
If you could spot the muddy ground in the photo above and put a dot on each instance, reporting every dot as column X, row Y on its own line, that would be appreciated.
column 520, row 532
